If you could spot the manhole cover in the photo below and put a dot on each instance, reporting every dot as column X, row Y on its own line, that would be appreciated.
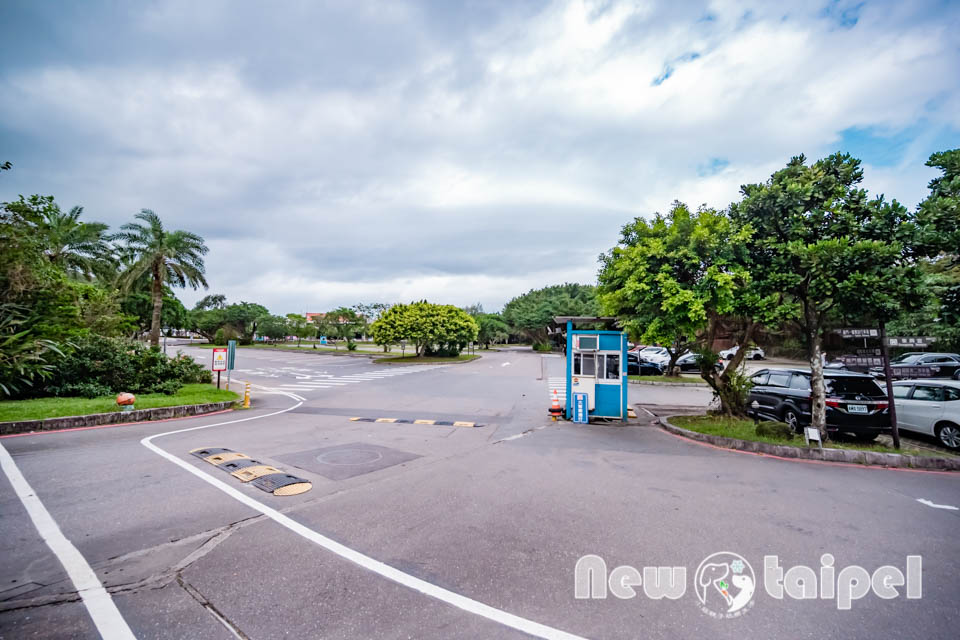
column 350, row 456
column 346, row 460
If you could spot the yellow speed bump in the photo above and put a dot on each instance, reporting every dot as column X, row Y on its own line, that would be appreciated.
column 293, row 489
column 386, row 419
column 424, row 421
column 251, row 473
column 464, row 424
column 220, row 458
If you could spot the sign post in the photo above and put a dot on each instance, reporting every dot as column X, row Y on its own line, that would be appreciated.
column 888, row 374
column 219, row 362
column 231, row 358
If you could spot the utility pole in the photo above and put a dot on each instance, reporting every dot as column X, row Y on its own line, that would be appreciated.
column 888, row 374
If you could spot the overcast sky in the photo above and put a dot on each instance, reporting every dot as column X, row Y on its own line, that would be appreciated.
column 343, row 152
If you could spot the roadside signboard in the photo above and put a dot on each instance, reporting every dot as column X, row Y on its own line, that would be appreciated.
column 231, row 354
column 862, row 361
column 911, row 372
column 219, row 359
column 869, row 352
column 323, row 339
column 854, row 332
column 920, row 342
column 580, row 408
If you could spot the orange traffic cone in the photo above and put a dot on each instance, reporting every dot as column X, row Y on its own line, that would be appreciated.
column 555, row 410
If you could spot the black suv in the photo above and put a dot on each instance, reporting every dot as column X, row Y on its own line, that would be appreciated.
column 856, row 404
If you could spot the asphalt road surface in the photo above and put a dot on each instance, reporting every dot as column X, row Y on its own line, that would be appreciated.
column 431, row 531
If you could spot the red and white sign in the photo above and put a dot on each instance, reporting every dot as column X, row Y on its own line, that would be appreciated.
column 219, row 359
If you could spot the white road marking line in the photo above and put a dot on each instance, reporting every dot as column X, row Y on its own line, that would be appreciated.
column 937, row 506
column 650, row 413
column 106, row 617
column 444, row 595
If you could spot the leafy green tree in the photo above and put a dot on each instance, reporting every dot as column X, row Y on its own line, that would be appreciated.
column 174, row 258
column 819, row 239
column 139, row 305
column 491, row 328
column 300, row 327
column 344, row 323
column 211, row 301
column 243, row 318
column 675, row 280
column 532, row 312
column 273, row 327
column 432, row 328
column 25, row 358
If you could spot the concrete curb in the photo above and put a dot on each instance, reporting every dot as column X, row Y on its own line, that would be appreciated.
column 114, row 417
column 379, row 361
column 849, row 456
column 669, row 384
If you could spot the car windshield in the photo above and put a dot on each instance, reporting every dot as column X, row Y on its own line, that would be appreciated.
column 854, row 386
column 907, row 358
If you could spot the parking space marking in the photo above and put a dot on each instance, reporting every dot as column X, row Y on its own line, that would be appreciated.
column 948, row 507
column 104, row 613
column 427, row 588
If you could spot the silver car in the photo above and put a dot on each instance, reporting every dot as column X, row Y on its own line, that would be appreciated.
column 931, row 407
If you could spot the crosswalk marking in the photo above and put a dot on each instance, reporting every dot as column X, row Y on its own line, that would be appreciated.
column 310, row 380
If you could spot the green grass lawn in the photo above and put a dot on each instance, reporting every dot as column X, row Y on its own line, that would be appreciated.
column 681, row 380
column 414, row 359
column 40, row 408
column 745, row 430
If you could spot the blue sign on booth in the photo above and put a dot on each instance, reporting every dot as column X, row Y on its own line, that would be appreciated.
column 580, row 412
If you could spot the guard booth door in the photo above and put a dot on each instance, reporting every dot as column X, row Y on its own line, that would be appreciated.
column 585, row 376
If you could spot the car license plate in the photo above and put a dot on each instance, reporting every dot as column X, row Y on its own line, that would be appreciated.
column 857, row 408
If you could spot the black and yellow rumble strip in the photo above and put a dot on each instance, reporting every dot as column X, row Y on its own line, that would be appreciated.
column 246, row 469
column 438, row 423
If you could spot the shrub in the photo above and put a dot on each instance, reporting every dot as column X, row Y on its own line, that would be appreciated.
column 774, row 430
column 82, row 389
column 220, row 337
column 100, row 366
column 542, row 346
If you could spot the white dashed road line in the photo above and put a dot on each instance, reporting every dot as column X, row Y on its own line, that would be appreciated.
column 948, row 507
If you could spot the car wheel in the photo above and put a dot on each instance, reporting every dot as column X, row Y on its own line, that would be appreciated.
column 948, row 434
column 757, row 356
column 729, row 356
column 956, row 375
column 792, row 419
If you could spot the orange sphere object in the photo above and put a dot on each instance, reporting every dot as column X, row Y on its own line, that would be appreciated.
column 125, row 399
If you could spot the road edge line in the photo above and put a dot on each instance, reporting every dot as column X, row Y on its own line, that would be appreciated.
column 99, row 604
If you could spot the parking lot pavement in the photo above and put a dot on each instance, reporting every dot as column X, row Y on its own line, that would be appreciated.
column 441, row 531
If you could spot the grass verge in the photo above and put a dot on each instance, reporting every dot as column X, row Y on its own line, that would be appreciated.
column 746, row 430
column 40, row 408
column 414, row 359
column 680, row 380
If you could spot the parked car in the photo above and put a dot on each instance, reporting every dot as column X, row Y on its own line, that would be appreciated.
column 689, row 362
column 942, row 365
column 931, row 407
column 657, row 355
column 636, row 366
column 754, row 353
column 856, row 404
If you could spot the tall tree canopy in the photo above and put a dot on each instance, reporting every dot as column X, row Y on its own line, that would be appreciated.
column 173, row 258
column 532, row 312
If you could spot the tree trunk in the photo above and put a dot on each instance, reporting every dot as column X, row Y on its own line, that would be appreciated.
column 818, row 392
column 732, row 402
column 157, row 306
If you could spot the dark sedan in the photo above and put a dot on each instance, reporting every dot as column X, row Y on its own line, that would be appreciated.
column 639, row 367
column 941, row 365
column 856, row 404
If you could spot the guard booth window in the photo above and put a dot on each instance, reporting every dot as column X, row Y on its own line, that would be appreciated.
column 611, row 366
column 584, row 364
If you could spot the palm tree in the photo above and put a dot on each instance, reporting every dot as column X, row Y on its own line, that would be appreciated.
column 170, row 257
column 80, row 248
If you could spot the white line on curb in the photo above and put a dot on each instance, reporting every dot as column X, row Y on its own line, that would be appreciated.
column 385, row 570
column 106, row 617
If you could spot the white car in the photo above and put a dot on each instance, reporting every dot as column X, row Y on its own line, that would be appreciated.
column 657, row 355
column 931, row 407
column 755, row 353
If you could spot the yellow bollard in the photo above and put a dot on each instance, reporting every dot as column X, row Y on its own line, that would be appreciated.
column 246, row 396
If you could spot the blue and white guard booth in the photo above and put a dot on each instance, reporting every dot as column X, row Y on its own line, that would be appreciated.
column 596, row 370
